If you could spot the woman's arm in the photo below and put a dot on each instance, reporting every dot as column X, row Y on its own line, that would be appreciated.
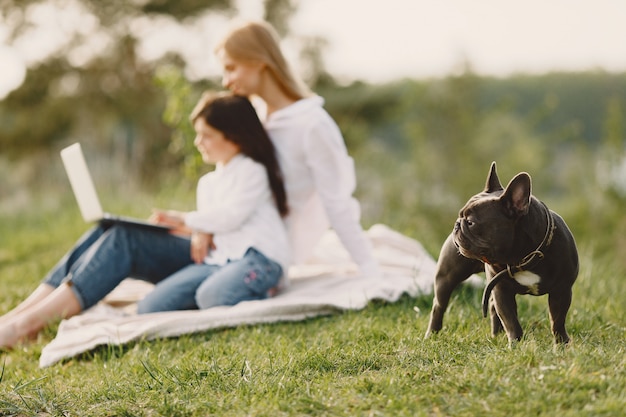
column 335, row 181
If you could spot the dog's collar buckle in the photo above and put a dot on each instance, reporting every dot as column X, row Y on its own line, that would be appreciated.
column 527, row 262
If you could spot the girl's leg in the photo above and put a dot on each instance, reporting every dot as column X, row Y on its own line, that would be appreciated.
column 59, row 272
column 176, row 292
column 60, row 303
column 126, row 251
column 248, row 278
column 40, row 293
column 118, row 253
column 56, row 276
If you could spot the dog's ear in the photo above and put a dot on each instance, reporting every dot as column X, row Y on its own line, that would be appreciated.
column 493, row 182
column 516, row 196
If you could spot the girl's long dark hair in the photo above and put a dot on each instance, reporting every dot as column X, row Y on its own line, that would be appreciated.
column 238, row 121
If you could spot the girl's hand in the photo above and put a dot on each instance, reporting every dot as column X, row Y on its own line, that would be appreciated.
column 170, row 218
column 175, row 220
column 201, row 245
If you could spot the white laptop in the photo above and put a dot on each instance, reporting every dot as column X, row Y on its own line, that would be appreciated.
column 85, row 192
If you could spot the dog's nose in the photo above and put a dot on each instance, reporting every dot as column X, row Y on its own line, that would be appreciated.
column 457, row 225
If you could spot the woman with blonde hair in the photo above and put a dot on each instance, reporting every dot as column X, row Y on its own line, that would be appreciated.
column 318, row 172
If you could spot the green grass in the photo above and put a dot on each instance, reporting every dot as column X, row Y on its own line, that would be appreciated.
column 373, row 362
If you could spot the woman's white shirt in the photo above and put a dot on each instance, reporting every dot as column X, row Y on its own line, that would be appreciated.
column 319, row 179
column 235, row 203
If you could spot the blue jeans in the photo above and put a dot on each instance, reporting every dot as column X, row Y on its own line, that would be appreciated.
column 204, row 286
column 105, row 256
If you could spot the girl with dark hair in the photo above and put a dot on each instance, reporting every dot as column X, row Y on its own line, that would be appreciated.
column 239, row 205
column 242, row 128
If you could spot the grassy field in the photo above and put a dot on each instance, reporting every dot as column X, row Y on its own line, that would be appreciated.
column 373, row 362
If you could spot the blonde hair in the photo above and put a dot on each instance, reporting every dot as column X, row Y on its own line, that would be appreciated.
column 258, row 41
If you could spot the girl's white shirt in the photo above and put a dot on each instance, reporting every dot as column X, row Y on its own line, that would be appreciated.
column 320, row 180
column 235, row 203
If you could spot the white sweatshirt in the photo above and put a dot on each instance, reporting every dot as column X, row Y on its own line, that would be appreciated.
column 319, row 180
column 235, row 203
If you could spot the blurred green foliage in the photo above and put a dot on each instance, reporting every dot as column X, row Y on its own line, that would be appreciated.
column 422, row 147
column 109, row 101
column 181, row 99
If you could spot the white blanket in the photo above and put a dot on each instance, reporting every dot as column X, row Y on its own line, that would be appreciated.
column 328, row 285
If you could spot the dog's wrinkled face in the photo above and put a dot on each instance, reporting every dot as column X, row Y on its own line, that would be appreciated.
column 485, row 229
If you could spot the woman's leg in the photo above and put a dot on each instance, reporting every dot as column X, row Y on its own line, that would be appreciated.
column 176, row 292
column 57, row 275
column 60, row 303
column 248, row 278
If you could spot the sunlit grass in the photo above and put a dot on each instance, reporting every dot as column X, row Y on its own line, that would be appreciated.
column 373, row 362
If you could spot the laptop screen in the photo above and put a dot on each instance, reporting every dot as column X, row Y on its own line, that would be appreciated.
column 82, row 184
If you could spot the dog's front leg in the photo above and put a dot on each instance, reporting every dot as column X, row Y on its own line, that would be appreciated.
column 505, row 305
column 452, row 269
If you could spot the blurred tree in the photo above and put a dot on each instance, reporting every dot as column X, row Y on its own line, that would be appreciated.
column 614, row 129
column 278, row 13
column 444, row 127
column 182, row 96
column 612, row 161
column 105, row 96
column 313, row 71
column 96, row 87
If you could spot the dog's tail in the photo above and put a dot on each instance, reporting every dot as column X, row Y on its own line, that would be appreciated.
column 489, row 287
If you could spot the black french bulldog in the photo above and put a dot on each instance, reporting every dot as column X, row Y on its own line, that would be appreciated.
column 523, row 247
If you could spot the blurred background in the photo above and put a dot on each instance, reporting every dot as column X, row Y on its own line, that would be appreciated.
column 426, row 93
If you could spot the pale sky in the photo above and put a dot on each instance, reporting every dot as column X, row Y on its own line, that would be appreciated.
column 379, row 41
column 423, row 38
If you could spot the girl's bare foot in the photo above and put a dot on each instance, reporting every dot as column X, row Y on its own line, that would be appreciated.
column 9, row 335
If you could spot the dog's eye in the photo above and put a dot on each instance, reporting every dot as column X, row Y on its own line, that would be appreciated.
column 469, row 221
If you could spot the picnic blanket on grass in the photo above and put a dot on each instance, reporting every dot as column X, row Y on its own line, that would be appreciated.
column 327, row 285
